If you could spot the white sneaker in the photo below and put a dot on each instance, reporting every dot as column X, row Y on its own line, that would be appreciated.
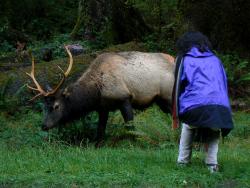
column 213, row 168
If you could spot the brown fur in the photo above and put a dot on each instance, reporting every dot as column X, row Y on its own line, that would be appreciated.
column 141, row 76
column 118, row 81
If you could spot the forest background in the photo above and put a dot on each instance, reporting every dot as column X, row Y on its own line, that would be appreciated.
column 48, row 24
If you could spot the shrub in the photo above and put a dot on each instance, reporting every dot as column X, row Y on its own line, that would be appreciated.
column 153, row 127
column 237, row 74
column 7, row 102
column 242, row 125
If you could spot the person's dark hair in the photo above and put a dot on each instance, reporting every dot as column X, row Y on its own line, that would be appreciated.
column 191, row 39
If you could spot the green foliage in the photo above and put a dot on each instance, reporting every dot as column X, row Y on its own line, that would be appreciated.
column 5, row 44
column 5, row 47
column 167, row 23
column 10, row 103
column 2, row 93
column 101, row 21
column 44, row 17
column 56, row 44
column 105, row 37
column 157, row 13
column 220, row 20
column 155, row 131
column 237, row 73
column 154, row 44
column 242, row 125
column 20, row 130
column 80, row 132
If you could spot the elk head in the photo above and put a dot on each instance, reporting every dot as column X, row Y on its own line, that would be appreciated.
column 55, row 101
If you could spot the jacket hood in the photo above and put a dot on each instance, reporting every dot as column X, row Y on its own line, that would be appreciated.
column 196, row 53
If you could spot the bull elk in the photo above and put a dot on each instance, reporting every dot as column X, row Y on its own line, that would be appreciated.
column 112, row 81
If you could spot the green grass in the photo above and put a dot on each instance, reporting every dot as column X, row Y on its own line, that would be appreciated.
column 32, row 158
column 68, row 166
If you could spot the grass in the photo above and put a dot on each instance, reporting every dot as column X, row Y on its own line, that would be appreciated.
column 32, row 158
column 54, row 165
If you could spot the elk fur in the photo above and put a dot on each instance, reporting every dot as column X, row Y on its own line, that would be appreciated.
column 115, row 81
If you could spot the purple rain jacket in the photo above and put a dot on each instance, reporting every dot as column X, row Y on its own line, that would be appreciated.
column 202, row 99
column 206, row 81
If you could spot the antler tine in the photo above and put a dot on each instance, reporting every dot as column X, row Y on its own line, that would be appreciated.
column 70, row 61
column 64, row 74
column 32, row 76
column 38, row 95
column 58, row 86
column 39, row 88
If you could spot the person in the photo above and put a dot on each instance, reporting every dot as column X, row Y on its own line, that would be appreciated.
column 200, row 98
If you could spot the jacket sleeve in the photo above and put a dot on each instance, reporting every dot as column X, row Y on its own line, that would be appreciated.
column 176, row 91
column 183, row 79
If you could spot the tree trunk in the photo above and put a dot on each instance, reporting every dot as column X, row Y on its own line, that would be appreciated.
column 118, row 18
column 79, row 20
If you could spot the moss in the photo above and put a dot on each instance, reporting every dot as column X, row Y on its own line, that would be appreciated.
column 130, row 46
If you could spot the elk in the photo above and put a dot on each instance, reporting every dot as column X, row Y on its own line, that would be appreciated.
column 123, row 80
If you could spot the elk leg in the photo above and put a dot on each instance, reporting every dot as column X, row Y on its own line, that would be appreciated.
column 164, row 105
column 103, row 118
column 127, row 111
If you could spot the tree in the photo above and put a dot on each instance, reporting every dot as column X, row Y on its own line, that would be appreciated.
column 37, row 19
column 226, row 22
column 117, row 18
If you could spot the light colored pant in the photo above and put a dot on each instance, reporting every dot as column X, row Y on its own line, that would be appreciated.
column 185, row 147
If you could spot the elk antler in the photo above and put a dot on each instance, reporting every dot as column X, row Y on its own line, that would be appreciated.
column 39, row 88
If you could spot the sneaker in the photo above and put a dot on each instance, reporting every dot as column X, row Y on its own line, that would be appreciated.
column 179, row 164
column 213, row 168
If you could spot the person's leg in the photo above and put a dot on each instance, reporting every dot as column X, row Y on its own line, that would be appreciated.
column 185, row 147
column 212, row 151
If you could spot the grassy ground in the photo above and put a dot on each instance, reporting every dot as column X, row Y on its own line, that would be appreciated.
column 32, row 158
